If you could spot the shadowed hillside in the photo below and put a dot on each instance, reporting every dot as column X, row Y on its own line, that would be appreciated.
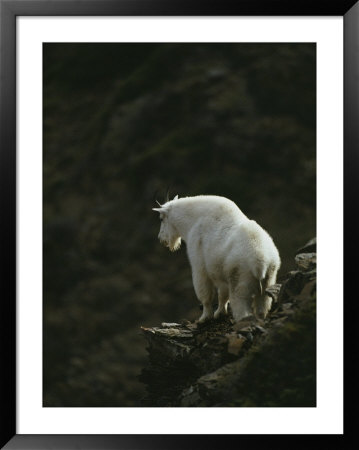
column 123, row 123
column 256, row 363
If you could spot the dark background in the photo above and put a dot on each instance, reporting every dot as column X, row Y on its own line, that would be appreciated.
column 123, row 123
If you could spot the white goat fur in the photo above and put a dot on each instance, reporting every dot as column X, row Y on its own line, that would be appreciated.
column 228, row 253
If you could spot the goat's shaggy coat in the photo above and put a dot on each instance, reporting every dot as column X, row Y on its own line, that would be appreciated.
column 228, row 253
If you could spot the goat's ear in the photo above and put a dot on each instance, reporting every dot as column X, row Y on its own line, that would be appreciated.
column 160, row 210
column 176, row 198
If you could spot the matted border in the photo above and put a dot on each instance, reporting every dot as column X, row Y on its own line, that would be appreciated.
column 11, row 9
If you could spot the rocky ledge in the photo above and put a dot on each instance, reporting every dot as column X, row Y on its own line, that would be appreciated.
column 250, row 363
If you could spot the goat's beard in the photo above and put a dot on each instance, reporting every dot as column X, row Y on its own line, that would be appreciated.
column 172, row 244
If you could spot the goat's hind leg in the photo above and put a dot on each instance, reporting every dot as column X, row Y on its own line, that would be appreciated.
column 205, row 292
column 222, row 302
column 263, row 302
column 241, row 295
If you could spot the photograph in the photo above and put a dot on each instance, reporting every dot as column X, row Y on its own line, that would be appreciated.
column 168, row 170
column 179, row 224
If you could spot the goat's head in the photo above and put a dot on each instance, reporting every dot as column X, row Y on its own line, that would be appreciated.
column 168, row 234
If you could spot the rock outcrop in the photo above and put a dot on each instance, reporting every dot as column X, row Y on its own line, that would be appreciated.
column 250, row 363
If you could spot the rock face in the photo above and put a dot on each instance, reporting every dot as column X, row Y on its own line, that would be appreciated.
column 250, row 363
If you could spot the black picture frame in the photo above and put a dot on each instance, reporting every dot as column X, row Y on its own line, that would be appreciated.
column 9, row 10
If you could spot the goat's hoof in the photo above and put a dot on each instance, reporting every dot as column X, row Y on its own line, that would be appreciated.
column 220, row 313
column 204, row 319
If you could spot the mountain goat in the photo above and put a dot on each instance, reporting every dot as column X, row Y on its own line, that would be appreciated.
column 228, row 253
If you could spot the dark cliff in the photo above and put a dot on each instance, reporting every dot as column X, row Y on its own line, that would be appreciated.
column 250, row 363
column 123, row 123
